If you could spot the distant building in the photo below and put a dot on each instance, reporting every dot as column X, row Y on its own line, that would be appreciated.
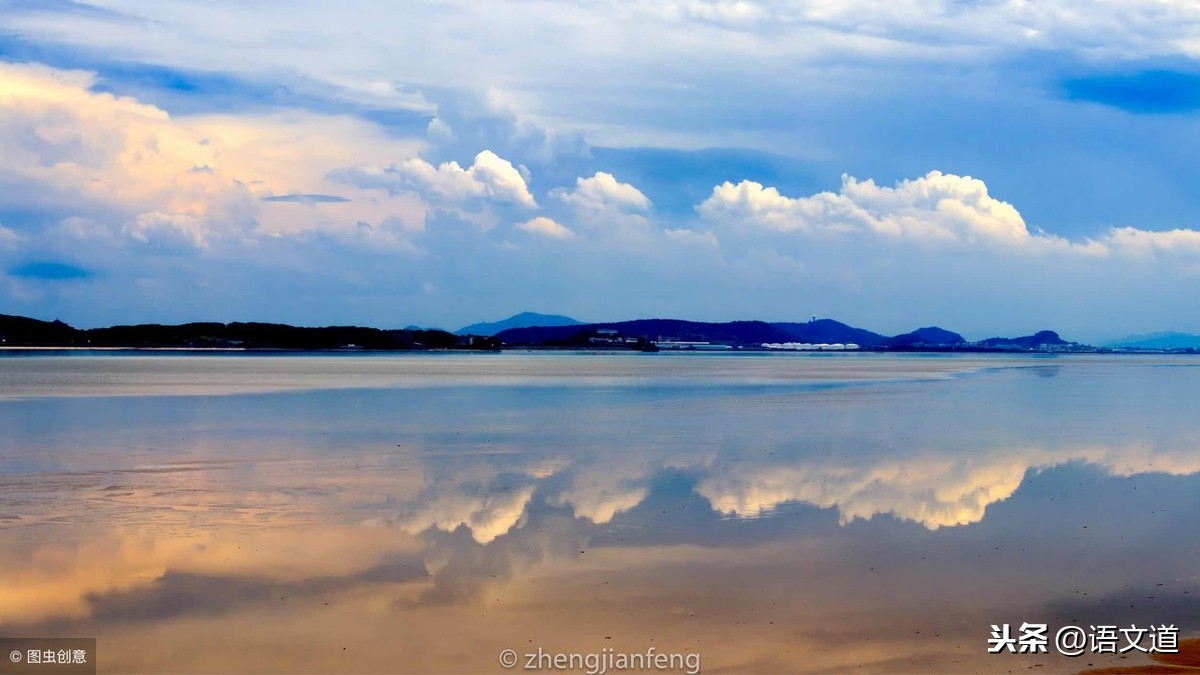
column 611, row 336
column 685, row 344
column 810, row 347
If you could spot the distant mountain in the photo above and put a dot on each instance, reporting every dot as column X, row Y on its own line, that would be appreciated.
column 1159, row 341
column 522, row 320
column 829, row 331
column 745, row 333
column 734, row 332
column 755, row 333
column 1046, row 338
column 931, row 336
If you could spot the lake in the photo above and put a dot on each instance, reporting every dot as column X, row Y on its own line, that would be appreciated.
column 425, row 512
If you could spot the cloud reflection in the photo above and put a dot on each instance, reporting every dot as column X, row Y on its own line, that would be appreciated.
column 473, row 538
column 485, row 516
column 468, row 532
column 932, row 489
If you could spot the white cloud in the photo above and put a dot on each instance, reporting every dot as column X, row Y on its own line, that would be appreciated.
column 468, row 122
column 696, row 45
column 546, row 227
column 1142, row 243
column 602, row 193
column 731, row 14
column 489, row 178
column 97, row 152
column 497, row 43
column 607, row 206
column 936, row 207
column 133, row 172
column 169, row 231
column 692, row 237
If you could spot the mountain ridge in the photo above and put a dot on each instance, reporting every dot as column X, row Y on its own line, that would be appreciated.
column 1037, row 340
column 519, row 320
column 1161, row 340
column 755, row 334
column 926, row 336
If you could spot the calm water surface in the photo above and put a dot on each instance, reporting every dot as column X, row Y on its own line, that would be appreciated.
column 421, row 513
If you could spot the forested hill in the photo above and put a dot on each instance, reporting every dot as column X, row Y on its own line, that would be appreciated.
column 16, row 331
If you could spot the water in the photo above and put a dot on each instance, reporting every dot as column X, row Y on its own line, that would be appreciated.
column 421, row 513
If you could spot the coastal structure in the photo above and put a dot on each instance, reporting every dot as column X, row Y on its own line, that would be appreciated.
column 810, row 347
column 690, row 344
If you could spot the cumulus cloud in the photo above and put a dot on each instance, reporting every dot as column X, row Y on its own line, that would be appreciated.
column 602, row 192
column 102, row 154
column 606, row 205
column 1142, row 243
column 936, row 207
column 100, row 166
column 546, row 227
column 489, row 178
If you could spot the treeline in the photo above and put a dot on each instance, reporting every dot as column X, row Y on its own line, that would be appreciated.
column 22, row 331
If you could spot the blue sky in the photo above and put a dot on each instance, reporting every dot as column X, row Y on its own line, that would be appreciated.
column 995, row 167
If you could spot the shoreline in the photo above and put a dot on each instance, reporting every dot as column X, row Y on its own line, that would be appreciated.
column 530, row 349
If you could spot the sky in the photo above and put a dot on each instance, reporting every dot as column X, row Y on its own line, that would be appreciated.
column 995, row 167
